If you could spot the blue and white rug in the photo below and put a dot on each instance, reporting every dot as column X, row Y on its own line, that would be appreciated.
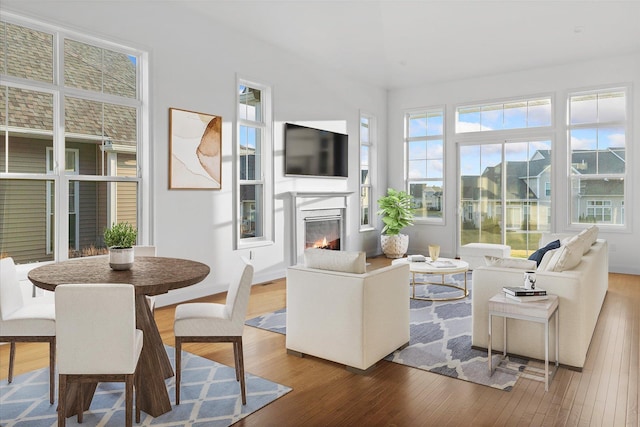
column 440, row 337
column 210, row 397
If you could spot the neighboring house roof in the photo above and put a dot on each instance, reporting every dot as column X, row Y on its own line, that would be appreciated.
column 518, row 179
column 86, row 67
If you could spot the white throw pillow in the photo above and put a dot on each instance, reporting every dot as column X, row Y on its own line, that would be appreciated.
column 546, row 260
column 326, row 259
column 567, row 256
column 510, row 262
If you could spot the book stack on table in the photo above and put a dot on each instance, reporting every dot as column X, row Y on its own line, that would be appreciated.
column 522, row 294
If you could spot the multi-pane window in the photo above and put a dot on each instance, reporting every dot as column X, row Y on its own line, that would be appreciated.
column 424, row 141
column 505, row 193
column 597, row 138
column 517, row 114
column 69, row 140
column 367, row 139
column 254, row 156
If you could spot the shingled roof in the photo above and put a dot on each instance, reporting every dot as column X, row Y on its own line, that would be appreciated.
column 28, row 54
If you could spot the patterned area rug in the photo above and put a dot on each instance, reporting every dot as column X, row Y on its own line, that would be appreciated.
column 210, row 397
column 440, row 337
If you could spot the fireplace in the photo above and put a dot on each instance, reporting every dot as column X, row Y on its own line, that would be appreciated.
column 323, row 232
column 315, row 219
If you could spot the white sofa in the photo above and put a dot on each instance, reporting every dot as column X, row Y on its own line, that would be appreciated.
column 580, row 288
column 354, row 319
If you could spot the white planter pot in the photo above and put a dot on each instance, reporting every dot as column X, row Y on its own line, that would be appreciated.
column 394, row 246
column 121, row 258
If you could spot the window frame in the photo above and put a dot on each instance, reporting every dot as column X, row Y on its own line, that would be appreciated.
column 370, row 144
column 59, row 176
column 424, row 180
column 266, row 158
column 573, row 178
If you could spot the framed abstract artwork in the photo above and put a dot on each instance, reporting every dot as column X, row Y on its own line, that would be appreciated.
column 195, row 150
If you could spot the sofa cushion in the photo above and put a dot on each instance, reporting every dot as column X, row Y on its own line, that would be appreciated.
column 567, row 256
column 326, row 259
column 509, row 262
column 539, row 254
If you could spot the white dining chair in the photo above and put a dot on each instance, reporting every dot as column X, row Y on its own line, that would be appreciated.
column 146, row 250
column 212, row 322
column 97, row 342
column 24, row 322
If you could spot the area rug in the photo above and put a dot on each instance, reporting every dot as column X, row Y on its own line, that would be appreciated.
column 440, row 337
column 210, row 397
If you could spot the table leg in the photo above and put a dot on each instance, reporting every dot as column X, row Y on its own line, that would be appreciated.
column 546, row 355
column 489, row 348
column 154, row 365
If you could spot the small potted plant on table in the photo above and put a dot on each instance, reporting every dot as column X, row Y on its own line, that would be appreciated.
column 120, row 238
column 397, row 213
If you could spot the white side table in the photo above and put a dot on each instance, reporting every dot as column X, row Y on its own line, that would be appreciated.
column 536, row 311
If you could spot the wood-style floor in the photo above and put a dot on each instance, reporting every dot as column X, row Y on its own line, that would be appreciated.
column 325, row 394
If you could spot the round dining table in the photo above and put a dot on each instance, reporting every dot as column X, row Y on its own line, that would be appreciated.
column 149, row 276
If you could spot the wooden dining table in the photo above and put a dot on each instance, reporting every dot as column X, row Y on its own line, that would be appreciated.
column 150, row 276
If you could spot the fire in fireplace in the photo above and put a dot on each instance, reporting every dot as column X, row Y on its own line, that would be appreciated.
column 322, row 232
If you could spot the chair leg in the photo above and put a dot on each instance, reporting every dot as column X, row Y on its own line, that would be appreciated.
column 137, row 389
column 79, row 400
column 62, row 400
column 128, row 400
column 178, row 367
column 236, row 361
column 52, row 369
column 12, row 358
column 240, row 361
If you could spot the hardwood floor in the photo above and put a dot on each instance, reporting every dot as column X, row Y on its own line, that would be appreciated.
column 325, row 394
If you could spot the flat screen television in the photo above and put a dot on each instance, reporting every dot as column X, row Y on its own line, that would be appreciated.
column 315, row 152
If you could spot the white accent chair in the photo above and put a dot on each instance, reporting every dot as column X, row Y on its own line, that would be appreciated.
column 211, row 322
column 97, row 342
column 337, row 311
column 146, row 250
column 21, row 322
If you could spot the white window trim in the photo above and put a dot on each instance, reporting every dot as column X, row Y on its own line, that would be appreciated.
column 267, row 168
column 59, row 91
column 443, row 136
column 372, row 143
column 627, row 176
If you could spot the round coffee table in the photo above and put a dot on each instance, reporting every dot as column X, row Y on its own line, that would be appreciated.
column 443, row 267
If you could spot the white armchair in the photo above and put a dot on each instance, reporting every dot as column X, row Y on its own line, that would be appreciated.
column 354, row 319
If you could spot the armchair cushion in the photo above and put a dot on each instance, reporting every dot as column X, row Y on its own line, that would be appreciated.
column 324, row 259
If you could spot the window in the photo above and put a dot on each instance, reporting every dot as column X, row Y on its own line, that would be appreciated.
column 424, row 142
column 367, row 139
column 505, row 193
column 597, row 138
column 517, row 114
column 70, row 132
column 254, row 154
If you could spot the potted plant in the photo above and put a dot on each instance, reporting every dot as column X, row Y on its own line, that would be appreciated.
column 120, row 238
column 397, row 213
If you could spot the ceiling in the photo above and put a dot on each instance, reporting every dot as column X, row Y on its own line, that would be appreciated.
column 394, row 44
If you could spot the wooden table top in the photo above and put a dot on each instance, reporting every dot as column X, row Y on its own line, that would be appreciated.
column 149, row 275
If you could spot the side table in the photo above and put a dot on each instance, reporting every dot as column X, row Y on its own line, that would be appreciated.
column 535, row 311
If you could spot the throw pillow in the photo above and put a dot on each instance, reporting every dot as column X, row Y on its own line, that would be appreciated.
column 326, row 259
column 568, row 256
column 519, row 263
column 539, row 254
column 546, row 259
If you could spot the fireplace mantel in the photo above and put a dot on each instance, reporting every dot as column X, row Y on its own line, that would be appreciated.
column 303, row 203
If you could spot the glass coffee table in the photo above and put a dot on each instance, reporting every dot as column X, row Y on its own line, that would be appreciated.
column 442, row 267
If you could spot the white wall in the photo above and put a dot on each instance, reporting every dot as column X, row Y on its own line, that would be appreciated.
column 193, row 63
column 624, row 246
